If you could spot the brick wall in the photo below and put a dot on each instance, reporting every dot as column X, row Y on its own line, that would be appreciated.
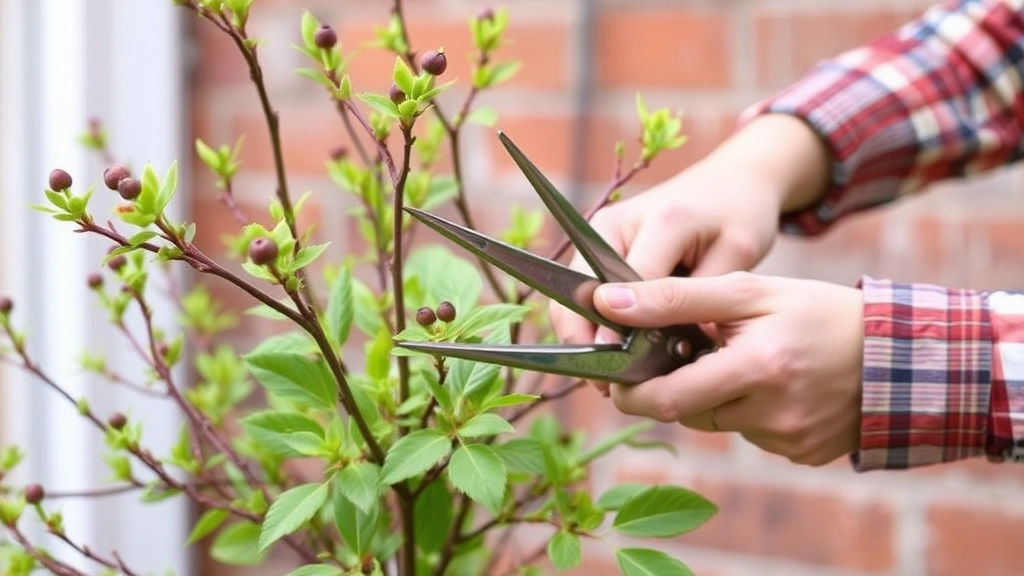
column 708, row 58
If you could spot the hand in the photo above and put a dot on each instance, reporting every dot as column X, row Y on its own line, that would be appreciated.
column 787, row 375
column 720, row 215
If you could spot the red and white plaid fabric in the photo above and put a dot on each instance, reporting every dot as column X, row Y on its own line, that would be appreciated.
column 941, row 97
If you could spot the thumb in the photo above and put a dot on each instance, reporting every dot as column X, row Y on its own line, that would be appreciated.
column 669, row 301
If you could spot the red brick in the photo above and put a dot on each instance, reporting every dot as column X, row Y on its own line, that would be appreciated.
column 679, row 47
column 981, row 541
column 819, row 528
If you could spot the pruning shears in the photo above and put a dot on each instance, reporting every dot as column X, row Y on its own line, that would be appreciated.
column 643, row 353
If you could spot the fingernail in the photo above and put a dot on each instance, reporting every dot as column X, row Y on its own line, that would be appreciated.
column 617, row 297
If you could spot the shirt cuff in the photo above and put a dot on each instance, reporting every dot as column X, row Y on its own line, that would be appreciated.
column 927, row 375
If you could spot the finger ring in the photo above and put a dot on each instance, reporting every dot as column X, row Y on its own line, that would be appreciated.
column 714, row 423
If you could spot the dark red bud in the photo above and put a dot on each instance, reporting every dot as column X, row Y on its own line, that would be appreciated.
column 339, row 153
column 446, row 311
column 262, row 251
column 117, row 421
column 113, row 175
column 59, row 180
column 129, row 188
column 434, row 62
column 163, row 349
column 486, row 14
column 6, row 305
column 117, row 262
column 396, row 94
column 34, row 493
column 325, row 37
column 95, row 280
column 425, row 316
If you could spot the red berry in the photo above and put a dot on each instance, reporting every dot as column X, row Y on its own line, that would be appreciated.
column 95, row 280
column 434, row 62
column 485, row 14
column 262, row 251
column 6, row 305
column 425, row 316
column 446, row 311
column 117, row 421
column 396, row 94
column 59, row 180
column 113, row 175
column 325, row 37
column 34, row 493
column 129, row 188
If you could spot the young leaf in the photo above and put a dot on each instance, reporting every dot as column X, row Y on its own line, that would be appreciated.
column 509, row 400
column 356, row 526
column 290, row 510
column 663, row 512
column 236, row 545
column 434, row 512
column 402, row 75
column 317, row 570
column 647, row 562
column 360, row 483
column 620, row 436
column 207, row 523
column 340, row 309
column 483, row 116
column 381, row 103
column 522, row 455
column 615, row 497
column 485, row 425
column 487, row 318
column 479, row 473
column 414, row 454
column 269, row 427
column 294, row 377
column 565, row 551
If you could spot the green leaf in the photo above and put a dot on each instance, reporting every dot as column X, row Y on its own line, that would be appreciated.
column 615, row 497
column 486, row 318
column 663, row 512
column 306, row 443
column 647, row 562
column 608, row 443
column 340, row 309
column 522, row 455
column 360, row 483
column 356, row 526
column 290, row 510
column 485, row 425
column 294, row 377
column 402, row 75
column 269, row 428
column 509, row 400
column 565, row 551
column 236, row 545
column 308, row 254
column 167, row 187
column 207, row 523
column 381, row 103
column 504, row 72
column 317, row 570
column 477, row 471
column 483, row 116
column 414, row 454
column 378, row 355
column 434, row 514
column 309, row 27
column 443, row 276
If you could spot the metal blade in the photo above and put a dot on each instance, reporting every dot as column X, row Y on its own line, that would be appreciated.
column 604, row 362
column 603, row 259
column 572, row 289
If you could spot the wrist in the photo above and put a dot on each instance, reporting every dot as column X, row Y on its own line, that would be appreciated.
column 791, row 161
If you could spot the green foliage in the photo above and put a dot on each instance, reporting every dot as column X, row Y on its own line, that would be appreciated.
column 323, row 437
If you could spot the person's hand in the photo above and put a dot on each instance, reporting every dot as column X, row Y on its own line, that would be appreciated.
column 720, row 215
column 787, row 375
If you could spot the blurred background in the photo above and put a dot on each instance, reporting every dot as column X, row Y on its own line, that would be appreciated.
column 159, row 78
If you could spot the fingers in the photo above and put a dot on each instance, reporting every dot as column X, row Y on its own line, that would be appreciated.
column 667, row 301
column 689, row 392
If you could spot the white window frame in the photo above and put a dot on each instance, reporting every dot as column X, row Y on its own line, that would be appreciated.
column 62, row 62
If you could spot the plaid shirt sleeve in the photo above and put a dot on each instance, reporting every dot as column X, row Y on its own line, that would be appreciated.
column 942, row 97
